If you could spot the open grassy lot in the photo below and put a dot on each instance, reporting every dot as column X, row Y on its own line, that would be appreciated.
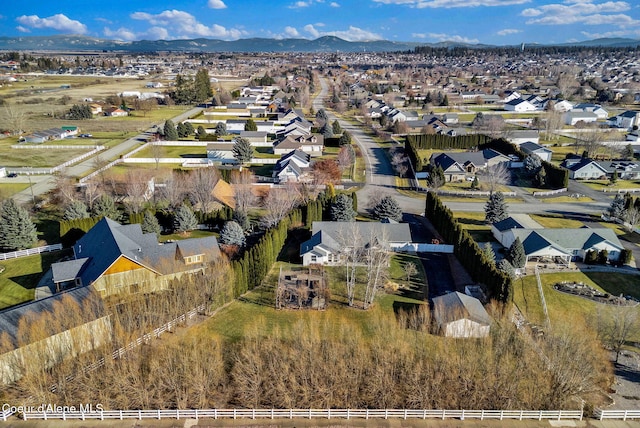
column 21, row 276
column 258, row 307
column 600, row 185
column 7, row 190
column 173, row 152
column 565, row 199
column 556, row 221
column 564, row 306
column 474, row 223
column 35, row 158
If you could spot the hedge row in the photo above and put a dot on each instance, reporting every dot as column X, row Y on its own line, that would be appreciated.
column 483, row 270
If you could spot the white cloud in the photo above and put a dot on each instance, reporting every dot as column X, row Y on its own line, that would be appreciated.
column 127, row 35
column 291, row 32
column 353, row 34
column 442, row 37
column 216, row 4
column 184, row 25
column 334, row 4
column 508, row 31
column 585, row 12
column 448, row 4
column 57, row 22
column 300, row 4
column 23, row 29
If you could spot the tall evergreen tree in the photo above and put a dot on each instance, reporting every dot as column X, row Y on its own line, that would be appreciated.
column 75, row 210
column 242, row 150
column 202, row 86
column 516, row 255
column 170, row 132
column 387, row 208
column 488, row 251
column 105, row 206
column 250, row 125
column 496, row 208
column 184, row 220
column 616, row 209
column 337, row 129
column 17, row 231
column 326, row 131
column 342, row 208
column 182, row 130
column 221, row 129
column 232, row 234
column 201, row 133
column 150, row 224
column 506, row 267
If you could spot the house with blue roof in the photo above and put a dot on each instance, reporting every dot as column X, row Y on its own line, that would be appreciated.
column 115, row 258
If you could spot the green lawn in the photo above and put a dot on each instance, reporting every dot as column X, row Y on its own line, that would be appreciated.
column 180, row 236
column 21, row 276
column 600, row 185
column 475, row 224
column 564, row 306
column 36, row 158
column 556, row 221
column 173, row 152
column 565, row 199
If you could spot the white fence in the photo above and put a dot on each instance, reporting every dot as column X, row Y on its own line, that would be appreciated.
column 305, row 414
column 470, row 193
column 52, row 147
column 120, row 352
column 621, row 190
column 550, row 192
column 6, row 414
column 181, row 143
column 616, row 414
column 30, row 252
column 77, row 159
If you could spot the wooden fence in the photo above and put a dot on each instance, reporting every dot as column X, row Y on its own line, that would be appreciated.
column 93, row 413
column 30, row 252
column 616, row 414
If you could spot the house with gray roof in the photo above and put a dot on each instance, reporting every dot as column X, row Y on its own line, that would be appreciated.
column 561, row 244
column 330, row 238
column 460, row 316
column 532, row 148
column 583, row 168
column 458, row 165
column 294, row 166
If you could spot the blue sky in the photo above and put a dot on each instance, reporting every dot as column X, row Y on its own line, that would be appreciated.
column 499, row 22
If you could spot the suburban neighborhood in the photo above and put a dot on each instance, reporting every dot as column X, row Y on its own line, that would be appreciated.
column 434, row 229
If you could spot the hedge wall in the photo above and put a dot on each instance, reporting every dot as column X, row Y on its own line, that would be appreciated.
column 483, row 270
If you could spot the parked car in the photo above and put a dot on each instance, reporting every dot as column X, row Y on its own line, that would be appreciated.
column 85, row 135
column 12, row 175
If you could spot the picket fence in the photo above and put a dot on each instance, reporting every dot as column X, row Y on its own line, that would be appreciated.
column 52, row 147
column 307, row 414
column 470, row 193
column 30, row 252
column 616, row 414
column 55, row 169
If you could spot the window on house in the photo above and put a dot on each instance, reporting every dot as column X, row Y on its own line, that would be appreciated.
column 314, row 259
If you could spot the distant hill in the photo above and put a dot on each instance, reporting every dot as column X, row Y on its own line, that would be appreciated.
column 76, row 43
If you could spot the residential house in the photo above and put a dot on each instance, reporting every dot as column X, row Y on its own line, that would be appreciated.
column 593, row 108
column 633, row 136
column 627, row 170
column 294, row 166
column 510, row 96
column 459, row 165
column 460, row 316
column 562, row 106
column 115, row 112
column 583, row 168
column 574, row 116
column 256, row 138
column 542, row 152
column 627, row 120
column 519, row 105
column 312, row 144
column 221, row 152
column 330, row 238
column 563, row 245
column 114, row 258
column 47, row 135
column 95, row 108
column 523, row 136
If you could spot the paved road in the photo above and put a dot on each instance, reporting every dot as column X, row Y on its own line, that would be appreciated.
column 44, row 183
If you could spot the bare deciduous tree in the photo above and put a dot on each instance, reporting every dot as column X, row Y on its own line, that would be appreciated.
column 65, row 189
column 136, row 189
column 278, row 203
column 615, row 324
column 201, row 183
column 175, row 189
column 243, row 182
column 410, row 269
column 495, row 175
column 14, row 119
column 376, row 259
column 552, row 123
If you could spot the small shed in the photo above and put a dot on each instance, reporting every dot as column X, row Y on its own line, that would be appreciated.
column 461, row 316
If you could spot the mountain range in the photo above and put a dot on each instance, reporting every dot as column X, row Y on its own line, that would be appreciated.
column 77, row 43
